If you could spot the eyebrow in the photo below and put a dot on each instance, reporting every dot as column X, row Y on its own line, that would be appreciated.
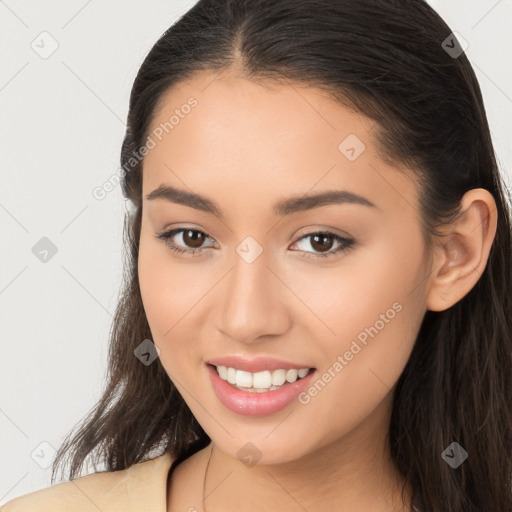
column 284, row 207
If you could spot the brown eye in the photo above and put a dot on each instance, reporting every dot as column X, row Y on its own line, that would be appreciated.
column 322, row 242
column 193, row 238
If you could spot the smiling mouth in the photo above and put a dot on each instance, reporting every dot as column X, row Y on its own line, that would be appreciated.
column 263, row 381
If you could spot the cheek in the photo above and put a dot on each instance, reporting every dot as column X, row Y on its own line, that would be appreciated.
column 169, row 294
column 154, row 289
column 166, row 289
column 373, row 307
column 368, row 286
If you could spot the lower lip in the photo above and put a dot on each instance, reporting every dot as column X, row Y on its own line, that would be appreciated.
column 257, row 404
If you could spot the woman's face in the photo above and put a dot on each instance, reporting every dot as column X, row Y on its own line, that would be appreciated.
column 257, row 285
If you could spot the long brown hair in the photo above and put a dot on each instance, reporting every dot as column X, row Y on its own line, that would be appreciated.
column 391, row 61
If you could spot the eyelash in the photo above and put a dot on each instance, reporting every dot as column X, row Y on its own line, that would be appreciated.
column 166, row 236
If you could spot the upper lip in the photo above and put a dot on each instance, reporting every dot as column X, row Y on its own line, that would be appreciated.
column 257, row 364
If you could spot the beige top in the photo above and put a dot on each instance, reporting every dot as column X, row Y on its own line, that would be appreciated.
column 140, row 488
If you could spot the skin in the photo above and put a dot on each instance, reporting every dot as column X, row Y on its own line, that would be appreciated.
column 247, row 145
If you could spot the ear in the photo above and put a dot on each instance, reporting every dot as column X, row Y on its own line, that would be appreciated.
column 461, row 257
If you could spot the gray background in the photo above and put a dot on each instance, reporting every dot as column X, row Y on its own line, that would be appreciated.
column 62, row 125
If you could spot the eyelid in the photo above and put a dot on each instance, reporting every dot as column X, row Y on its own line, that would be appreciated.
column 166, row 234
column 313, row 229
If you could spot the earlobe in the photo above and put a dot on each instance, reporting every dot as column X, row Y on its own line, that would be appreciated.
column 462, row 256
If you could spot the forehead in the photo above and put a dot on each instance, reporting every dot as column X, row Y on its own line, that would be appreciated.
column 233, row 112
column 264, row 138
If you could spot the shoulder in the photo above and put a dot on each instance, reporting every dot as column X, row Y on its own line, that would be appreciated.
column 141, row 486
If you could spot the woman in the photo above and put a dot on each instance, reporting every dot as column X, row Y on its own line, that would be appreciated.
column 317, row 311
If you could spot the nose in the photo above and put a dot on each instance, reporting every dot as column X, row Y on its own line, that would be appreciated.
column 254, row 304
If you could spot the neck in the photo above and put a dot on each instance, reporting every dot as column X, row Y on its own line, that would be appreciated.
column 354, row 472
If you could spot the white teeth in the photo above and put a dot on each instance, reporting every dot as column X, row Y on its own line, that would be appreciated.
column 260, row 381
column 303, row 372
column 244, row 379
column 223, row 372
column 231, row 375
column 291, row 375
column 278, row 377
